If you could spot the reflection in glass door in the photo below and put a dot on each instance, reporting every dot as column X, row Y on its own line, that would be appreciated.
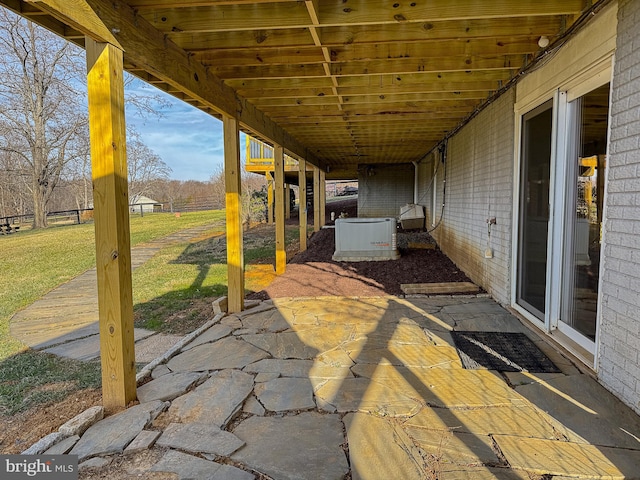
column 587, row 162
column 534, row 209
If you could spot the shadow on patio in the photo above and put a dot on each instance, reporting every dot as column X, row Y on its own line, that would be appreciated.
column 369, row 388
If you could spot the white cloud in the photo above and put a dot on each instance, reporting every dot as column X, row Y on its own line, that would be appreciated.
column 187, row 139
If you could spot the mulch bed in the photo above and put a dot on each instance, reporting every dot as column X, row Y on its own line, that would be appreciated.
column 312, row 273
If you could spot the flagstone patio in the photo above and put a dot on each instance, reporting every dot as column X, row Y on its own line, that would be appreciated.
column 362, row 388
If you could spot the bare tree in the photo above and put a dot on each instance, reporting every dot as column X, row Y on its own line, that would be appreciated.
column 146, row 168
column 41, row 106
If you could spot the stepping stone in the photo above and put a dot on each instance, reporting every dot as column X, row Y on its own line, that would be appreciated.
column 216, row 332
column 282, row 345
column 270, row 320
column 448, row 388
column 229, row 352
column 556, row 458
column 379, row 449
column 188, row 467
column 474, row 306
column 169, row 386
column 454, row 447
column 144, row 441
column 515, row 420
column 588, row 412
column 114, row 433
column 159, row 371
column 199, row 438
column 253, row 406
column 63, row 446
column 406, row 355
column 216, row 401
column 284, row 394
column 300, row 447
column 480, row 472
column 79, row 424
column 285, row 368
column 89, row 348
column 438, row 288
column 365, row 395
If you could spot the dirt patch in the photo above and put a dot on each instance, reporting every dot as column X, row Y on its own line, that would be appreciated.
column 21, row 431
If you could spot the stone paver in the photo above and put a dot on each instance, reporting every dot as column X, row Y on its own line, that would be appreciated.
column 551, row 457
column 284, row 394
column 169, row 386
column 229, row 352
column 513, row 420
column 89, row 348
column 188, row 467
column 282, row 345
column 200, row 438
column 216, row 332
column 304, row 446
column 566, row 399
column 63, row 446
column 114, row 433
column 216, row 400
column 456, row 448
column 361, row 394
column 285, row 368
column 304, row 382
column 270, row 320
column 377, row 450
column 79, row 424
column 143, row 441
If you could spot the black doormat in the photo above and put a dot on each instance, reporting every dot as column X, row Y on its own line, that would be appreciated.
column 505, row 352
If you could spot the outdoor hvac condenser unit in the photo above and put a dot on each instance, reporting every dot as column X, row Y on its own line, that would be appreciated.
column 365, row 239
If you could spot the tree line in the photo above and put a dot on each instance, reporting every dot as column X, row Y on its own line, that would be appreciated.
column 45, row 159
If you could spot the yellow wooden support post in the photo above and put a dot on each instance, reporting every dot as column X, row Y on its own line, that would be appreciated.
column 111, row 216
column 302, row 203
column 269, row 197
column 323, row 197
column 278, row 165
column 287, row 201
column 316, row 199
column 233, row 205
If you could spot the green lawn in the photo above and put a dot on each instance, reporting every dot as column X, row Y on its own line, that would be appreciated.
column 172, row 291
column 34, row 262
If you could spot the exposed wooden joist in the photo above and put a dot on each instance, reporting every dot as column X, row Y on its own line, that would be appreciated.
column 148, row 48
column 79, row 14
column 199, row 19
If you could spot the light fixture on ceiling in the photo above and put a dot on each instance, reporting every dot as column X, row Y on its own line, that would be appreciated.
column 543, row 41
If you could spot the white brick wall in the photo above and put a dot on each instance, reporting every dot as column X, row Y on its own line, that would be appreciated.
column 619, row 340
column 479, row 185
column 383, row 189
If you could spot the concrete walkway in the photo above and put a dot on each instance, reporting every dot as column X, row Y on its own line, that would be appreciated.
column 361, row 388
column 65, row 320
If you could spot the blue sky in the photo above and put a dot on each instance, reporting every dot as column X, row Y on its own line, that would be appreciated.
column 187, row 139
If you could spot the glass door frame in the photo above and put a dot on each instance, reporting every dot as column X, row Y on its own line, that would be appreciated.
column 550, row 292
column 566, row 215
column 560, row 150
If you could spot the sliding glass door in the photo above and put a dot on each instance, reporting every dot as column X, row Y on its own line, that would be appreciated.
column 534, row 209
column 586, row 156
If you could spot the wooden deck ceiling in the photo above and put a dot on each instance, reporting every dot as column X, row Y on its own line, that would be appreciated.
column 340, row 82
